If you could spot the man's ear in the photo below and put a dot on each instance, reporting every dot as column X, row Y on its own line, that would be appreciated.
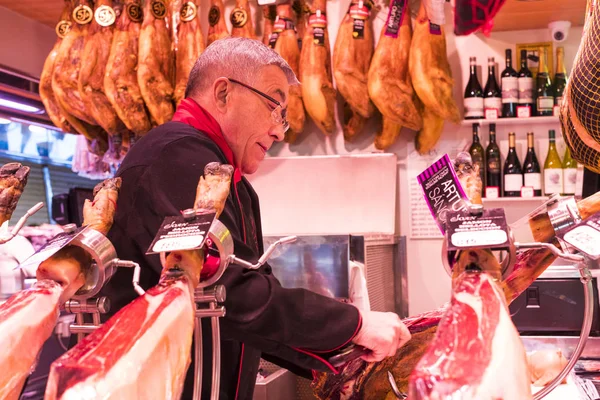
column 221, row 93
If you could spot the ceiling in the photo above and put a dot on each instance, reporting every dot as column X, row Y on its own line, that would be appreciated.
column 514, row 15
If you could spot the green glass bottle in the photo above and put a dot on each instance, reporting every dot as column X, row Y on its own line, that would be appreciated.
column 553, row 172
column 478, row 155
column 544, row 89
column 560, row 77
column 513, row 173
column 569, row 166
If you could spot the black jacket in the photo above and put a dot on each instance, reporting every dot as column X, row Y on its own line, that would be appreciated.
column 294, row 328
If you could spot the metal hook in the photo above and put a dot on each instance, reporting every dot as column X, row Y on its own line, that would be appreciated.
column 397, row 392
column 21, row 222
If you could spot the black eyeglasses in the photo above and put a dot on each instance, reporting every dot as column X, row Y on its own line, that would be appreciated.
column 278, row 115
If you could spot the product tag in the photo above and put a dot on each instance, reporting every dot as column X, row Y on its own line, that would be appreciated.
column 556, row 111
column 188, row 11
column 159, row 9
column 435, row 29
column 523, row 111
column 83, row 14
column 134, row 11
column 492, row 192
column 238, row 17
column 181, row 233
column 585, row 236
column 105, row 15
column 50, row 248
column 491, row 113
column 318, row 22
column 527, row 191
column 442, row 190
column 62, row 28
column 394, row 18
column 487, row 230
column 359, row 13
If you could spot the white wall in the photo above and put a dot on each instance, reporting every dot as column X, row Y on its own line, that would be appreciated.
column 24, row 43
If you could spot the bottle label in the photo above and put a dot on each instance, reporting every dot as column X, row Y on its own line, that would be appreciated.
column 534, row 180
column 510, row 90
column 553, row 181
column 545, row 103
column 493, row 165
column 473, row 107
column 525, row 90
column 493, row 103
column 570, row 180
column 513, row 182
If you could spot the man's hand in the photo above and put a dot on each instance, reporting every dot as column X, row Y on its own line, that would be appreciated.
column 383, row 333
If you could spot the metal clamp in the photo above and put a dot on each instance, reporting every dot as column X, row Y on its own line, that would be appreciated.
column 95, row 307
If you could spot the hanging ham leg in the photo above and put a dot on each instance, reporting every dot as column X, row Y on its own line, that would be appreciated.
column 351, row 60
column 120, row 83
column 241, row 20
column 217, row 27
column 190, row 45
column 155, row 72
column 55, row 111
column 154, row 332
column 316, row 76
column 287, row 46
column 93, row 69
column 390, row 86
column 430, row 133
column 269, row 15
column 430, row 71
column 13, row 178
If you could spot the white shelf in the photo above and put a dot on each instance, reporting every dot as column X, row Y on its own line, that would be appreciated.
column 513, row 121
column 538, row 199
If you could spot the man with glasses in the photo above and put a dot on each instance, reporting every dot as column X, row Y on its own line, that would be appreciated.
column 234, row 110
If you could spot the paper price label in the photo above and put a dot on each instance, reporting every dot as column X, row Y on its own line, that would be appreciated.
column 488, row 230
column 523, row 112
column 50, row 248
column 179, row 233
column 585, row 236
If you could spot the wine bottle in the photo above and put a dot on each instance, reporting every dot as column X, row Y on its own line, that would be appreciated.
column 560, row 77
column 478, row 155
column 493, row 177
column 553, row 173
column 473, row 100
column 531, row 168
column 525, row 83
column 492, row 96
column 513, row 174
column 510, row 88
column 544, row 90
column 569, row 166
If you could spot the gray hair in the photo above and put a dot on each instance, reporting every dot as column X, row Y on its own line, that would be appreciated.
column 236, row 58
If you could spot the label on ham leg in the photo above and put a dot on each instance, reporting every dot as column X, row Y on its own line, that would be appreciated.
column 488, row 230
column 318, row 22
column 585, row 236
column 394, row 19
column 442, row 191
column 280, row 25
column 359, row 13
column 179, row 233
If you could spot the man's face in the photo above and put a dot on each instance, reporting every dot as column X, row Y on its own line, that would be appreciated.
column 250, row 130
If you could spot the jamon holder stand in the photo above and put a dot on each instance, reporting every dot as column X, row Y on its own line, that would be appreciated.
column 564, row 215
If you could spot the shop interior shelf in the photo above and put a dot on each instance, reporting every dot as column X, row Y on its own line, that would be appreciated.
column 538, row 199
column 513, row 121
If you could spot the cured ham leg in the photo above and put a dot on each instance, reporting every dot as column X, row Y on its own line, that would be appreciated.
column 269, row 15
column 430, row 133
column 351, row 60
column 153, row 333
column 13, row 178
column 369, row 380
column 55, row 111
column 190, row 44
column 93, row 69
column 430, row 71
column 477, row 352
column 155, row 72
column 241, row 20
column 217, row 28
column 316, row 76
column 120, row 83
column 287, row 47
column 27, row 320
column 390, row 86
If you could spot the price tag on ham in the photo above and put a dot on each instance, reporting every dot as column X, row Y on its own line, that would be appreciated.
column 442, row 190
column 179, row 233
column 488, row 230
column 585, row 237
column 50, row 248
